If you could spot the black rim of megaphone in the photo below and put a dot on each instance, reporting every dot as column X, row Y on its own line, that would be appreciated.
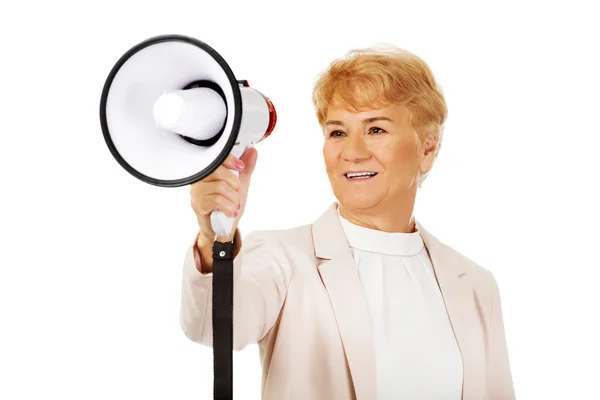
column 237, row 118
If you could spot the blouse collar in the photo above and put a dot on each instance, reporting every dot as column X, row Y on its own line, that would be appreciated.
column 375, row 241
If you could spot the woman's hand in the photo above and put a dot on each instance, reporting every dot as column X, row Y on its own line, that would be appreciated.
column 223, row 191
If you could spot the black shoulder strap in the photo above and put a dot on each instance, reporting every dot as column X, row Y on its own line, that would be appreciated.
column 222, row 323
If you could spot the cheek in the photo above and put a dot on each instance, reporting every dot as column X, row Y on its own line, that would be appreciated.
column 402, row 160
column 330, row 157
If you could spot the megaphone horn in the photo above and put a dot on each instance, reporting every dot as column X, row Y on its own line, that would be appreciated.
column 172, row 110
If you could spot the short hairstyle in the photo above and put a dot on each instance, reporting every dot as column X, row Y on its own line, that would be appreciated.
column 379, row 76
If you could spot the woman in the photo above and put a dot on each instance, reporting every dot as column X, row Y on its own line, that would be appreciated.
column 364, row 303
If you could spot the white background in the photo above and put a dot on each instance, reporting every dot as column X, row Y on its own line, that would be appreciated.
column 90, row 258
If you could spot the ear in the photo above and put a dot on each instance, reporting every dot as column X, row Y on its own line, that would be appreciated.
column 427, row 152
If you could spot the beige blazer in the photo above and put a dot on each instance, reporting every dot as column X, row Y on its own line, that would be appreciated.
column 297, row 294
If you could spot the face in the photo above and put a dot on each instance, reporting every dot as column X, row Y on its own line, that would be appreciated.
column 372, row 157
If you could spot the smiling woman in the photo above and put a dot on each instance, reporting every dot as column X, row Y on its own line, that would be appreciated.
column 364, row 303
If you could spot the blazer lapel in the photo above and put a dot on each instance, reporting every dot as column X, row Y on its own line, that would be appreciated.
column 462, row 311
column 341, row 279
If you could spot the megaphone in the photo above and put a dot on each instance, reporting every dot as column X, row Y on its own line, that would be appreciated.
column 172, row 110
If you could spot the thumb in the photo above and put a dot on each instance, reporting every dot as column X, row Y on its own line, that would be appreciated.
column 249, row 159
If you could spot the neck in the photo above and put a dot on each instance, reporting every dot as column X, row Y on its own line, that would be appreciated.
column 397, row 218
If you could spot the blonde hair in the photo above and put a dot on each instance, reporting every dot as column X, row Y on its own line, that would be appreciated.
column 385, row 75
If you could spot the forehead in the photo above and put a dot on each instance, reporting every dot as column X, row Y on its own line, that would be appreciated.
column 346, row 113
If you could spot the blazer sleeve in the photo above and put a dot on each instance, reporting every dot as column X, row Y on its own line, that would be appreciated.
column 262, row 273
column 499, row 372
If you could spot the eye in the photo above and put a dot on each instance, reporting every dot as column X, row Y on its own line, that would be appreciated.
column 376, row 130
column 336, row 134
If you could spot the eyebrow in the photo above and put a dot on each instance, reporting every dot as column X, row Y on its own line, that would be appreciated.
column 365, row 121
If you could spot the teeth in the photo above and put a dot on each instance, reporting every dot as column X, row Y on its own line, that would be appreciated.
column 357, row 174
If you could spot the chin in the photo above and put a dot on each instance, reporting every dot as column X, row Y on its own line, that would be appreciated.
column 359, row 201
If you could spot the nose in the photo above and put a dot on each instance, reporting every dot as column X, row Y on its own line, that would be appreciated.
column 355, row 149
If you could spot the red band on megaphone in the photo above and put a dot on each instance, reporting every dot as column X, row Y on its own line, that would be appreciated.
column 272, row 117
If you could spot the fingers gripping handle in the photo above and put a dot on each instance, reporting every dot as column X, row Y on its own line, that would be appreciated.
column 221, row 223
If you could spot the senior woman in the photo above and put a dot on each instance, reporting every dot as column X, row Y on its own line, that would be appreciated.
column 364, row 303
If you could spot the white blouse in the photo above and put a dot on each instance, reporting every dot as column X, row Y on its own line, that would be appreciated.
column 417, row 354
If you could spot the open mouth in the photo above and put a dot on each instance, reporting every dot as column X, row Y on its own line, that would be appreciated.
column 360, row 175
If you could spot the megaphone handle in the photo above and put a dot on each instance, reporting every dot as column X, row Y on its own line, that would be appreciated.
column 222, row 224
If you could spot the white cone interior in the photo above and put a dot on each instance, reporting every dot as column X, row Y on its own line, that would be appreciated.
column 151, row 150
column 198, row 113
column 168, row 110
